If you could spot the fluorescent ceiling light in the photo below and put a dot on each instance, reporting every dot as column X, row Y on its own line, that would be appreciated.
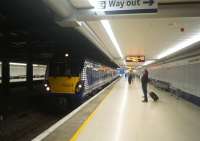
column 124, row 62
column 17, row 64
column 185, row 44
column 148, row 62
column 92, row 2
column 83, row 3
column 109, row 31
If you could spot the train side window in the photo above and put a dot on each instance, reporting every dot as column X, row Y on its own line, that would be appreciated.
column 39, row 72
column 17, row 72
column 0, row 72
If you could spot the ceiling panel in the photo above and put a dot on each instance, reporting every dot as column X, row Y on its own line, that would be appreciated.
column 148, row 37
column 96, row 26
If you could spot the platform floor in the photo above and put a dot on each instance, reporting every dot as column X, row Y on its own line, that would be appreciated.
column 123, row 117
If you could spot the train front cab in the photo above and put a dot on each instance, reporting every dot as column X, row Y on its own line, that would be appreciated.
column 62, row 86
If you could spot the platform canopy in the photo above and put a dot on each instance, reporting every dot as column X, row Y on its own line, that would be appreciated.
column 173, row 26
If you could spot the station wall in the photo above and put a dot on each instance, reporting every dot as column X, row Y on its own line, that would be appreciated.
column 18, row 72
column 183, row 75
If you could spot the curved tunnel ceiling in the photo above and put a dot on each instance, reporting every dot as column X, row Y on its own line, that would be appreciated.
column 28, row 27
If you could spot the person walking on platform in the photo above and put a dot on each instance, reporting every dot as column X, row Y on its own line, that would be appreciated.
column 130, row 77
column 144, row 81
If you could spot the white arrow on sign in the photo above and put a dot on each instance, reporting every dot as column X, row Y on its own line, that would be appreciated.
column 126, row 6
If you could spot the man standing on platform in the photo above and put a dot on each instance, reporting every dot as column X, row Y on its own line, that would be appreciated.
column 144, row 81
column 130, row 77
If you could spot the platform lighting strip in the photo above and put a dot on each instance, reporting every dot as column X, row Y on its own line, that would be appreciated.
column 109, row 31
column 148, row 62
column 92, row 2
column 182, row 45
column 185, row 44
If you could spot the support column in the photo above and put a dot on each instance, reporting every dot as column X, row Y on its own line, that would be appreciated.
column 29, row 74
column 5, row 76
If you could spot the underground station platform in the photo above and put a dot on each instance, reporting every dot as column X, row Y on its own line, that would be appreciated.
column 117, row 113
column 64, row 66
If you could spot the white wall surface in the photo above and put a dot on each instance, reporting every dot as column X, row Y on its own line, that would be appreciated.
column 185, row 76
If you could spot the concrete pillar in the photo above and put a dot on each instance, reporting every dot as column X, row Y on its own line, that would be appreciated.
column 29, row 74
column 5, row 76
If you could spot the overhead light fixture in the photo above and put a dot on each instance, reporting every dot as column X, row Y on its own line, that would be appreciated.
column 92, row 2
column 182, row 45
column 109, row 31
column 148, row 62
column 83, row 3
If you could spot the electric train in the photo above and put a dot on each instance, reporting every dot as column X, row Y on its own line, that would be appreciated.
column 71, row 83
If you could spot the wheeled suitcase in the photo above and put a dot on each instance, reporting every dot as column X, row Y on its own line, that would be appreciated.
column 153, row 96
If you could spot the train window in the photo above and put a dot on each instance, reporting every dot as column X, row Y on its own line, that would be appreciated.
column 39, row 72
column 17, row 72
column 0, row 72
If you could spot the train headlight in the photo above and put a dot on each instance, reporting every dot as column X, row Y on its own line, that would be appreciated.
column 45, row 85
column 48, row 89
column 80, row 86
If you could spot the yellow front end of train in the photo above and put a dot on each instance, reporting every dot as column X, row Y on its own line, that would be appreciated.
column 63, row 85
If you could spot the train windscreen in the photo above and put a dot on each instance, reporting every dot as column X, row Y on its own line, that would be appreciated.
column 59, row 69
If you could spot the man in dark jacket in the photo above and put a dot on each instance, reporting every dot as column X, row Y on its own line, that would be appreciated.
column 130, row 78
column 144, row 81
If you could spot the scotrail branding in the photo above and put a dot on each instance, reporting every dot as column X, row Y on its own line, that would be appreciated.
column 137, row 6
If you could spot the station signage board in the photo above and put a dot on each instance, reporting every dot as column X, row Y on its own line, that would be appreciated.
column 135, row 59
column 126, row 6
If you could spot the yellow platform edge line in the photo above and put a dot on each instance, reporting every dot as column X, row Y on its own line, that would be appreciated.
column 86, row 122
column 80, row 129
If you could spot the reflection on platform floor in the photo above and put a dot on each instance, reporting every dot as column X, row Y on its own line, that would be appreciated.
column 123, row 117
